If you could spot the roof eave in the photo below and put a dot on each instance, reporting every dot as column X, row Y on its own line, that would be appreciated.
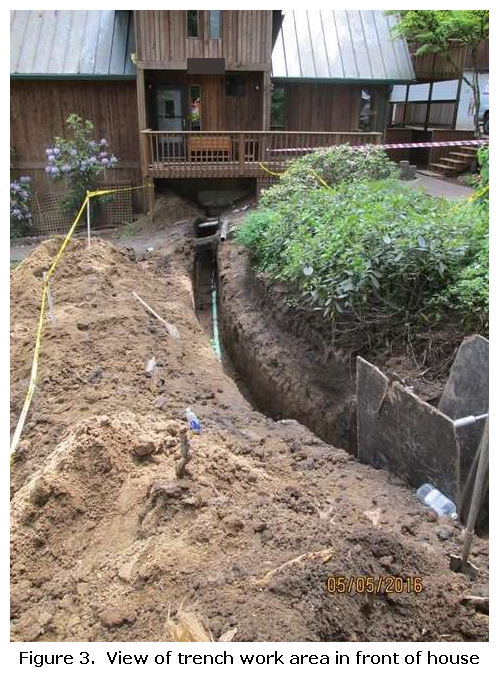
column 341, row 80
column 70, row 76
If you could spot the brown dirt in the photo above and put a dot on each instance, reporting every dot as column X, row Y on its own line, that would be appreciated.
column 104, row 537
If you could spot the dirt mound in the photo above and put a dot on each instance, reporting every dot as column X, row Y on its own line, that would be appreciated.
column 169, row 208
column 106, row 540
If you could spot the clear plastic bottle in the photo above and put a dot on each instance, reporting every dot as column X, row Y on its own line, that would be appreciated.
column 194, row 423
column 437, row 501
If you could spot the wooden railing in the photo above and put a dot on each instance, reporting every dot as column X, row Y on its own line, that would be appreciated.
column 235, row 153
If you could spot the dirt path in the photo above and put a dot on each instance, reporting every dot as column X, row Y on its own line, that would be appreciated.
column 104, row 537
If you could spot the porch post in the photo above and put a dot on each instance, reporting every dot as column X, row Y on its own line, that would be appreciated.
column 142, row 118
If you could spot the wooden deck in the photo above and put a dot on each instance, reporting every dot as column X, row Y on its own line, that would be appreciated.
column 233, row 154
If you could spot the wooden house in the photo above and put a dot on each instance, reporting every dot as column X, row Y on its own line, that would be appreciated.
column 202, row 94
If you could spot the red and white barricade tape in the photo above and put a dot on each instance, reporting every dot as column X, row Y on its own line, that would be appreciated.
column 389, row 146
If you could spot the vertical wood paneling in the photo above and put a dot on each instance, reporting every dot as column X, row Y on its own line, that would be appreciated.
column 322, row 107
column 245, row 37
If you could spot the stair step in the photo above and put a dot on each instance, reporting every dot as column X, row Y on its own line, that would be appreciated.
column 459, row 162
column 468, row 150
column 444, row 167
column 463, row 154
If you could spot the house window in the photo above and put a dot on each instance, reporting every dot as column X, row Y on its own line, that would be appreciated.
column 192, row 23
column 195, row 107
column 214, row 25
column 277, row 108
column 235, row 85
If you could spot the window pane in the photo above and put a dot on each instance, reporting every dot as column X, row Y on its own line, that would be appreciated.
column 277, row 108
column 195, row 107
column 192, row 23
column 214, row 24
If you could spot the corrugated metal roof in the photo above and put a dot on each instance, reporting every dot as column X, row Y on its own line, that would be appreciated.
column 340, row 45
column 71, row 42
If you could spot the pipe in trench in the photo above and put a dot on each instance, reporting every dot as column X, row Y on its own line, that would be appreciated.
column 214, row 315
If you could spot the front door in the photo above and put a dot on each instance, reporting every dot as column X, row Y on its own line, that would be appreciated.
column 170, row 116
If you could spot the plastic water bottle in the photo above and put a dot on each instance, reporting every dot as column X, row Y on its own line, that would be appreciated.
column 194, row 423
column 437, row 501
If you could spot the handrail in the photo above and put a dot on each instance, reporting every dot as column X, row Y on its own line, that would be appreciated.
column 150, row 132
column 236, row 153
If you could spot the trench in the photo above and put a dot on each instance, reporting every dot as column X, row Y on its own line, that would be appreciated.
column 276, row 389
column 277, row 380
column 208, row 308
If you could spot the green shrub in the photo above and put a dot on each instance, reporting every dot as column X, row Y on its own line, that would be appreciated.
column 373, row 252
column 334, row 165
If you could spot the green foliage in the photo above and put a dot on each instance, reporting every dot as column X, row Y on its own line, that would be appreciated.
column 438, row 30
column 332, row 165
column 79, row 161
column 374, row 253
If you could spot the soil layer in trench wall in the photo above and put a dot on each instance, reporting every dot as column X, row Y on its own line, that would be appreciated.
column 289, row 369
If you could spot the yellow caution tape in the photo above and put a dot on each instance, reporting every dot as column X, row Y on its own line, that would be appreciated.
column 98, row 193
column 36, row 354
column 278, row 175
column 272, row 173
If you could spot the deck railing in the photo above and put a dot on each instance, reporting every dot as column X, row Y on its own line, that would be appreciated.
column 235, row 153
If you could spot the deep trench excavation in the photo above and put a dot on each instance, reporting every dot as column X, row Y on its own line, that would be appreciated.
column 207, row 305
column 297, row 388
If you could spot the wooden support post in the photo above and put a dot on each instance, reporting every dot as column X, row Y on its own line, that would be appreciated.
column 428, row 107
column 456, row 105
column 241, row 152
column 404, row 115
column 143, row 140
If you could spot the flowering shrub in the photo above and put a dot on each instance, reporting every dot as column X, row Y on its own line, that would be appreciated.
column 20, row 214
column 80, row 161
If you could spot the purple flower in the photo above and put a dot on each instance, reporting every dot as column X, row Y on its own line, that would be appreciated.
column 113, row 159
column 51, row 157
column 92, row 143
column 24, row 179
column 56, row 151
column 103, row 141
column 73, row 152
column 103, row 154
column 14, row 187
column 48, row 169
column 65, row 168
column 92, row 160
column 105, row 161
column 48, row 150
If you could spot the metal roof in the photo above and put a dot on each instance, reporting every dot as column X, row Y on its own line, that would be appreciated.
column 71, row 43
column 340, row 45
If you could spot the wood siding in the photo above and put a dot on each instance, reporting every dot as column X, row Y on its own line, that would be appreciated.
column 321, row 107
column 219, row 111
column 245, row 43
column 39, row 109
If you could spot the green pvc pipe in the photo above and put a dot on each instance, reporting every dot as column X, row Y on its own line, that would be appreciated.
column 214, row 313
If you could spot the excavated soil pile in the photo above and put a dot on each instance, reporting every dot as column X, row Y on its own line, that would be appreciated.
column 105, row 538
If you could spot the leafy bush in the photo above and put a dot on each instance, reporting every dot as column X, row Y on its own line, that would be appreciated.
column 79, row 161
column 20, row 213
column 341, row 163
column 373, row 253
